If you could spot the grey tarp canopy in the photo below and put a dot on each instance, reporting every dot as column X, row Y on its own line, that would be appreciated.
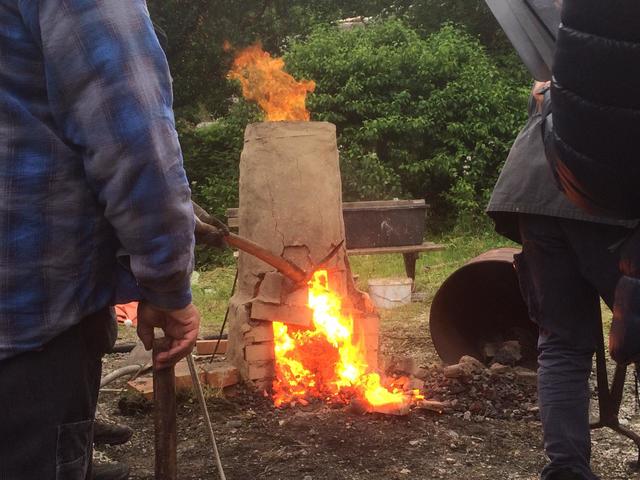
column 532, row 27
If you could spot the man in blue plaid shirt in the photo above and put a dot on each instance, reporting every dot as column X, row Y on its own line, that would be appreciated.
column 91, row 180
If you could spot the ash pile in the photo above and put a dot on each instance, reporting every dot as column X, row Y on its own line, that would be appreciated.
column 473, row 390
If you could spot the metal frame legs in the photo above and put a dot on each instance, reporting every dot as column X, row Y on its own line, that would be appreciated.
column 610, row 398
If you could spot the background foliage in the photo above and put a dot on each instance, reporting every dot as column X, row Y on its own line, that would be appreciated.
column 427, row 97
column 429, row 117
column 198, row 29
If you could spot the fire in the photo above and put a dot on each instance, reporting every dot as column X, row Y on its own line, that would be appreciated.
column 324, row 362
column 264, row 81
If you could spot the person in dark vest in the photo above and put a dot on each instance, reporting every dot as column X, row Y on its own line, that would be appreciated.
column 592, row 135
column 566, row 266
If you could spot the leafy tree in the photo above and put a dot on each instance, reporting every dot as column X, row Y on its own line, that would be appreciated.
column 432, row 116
column 198, row 29
column 429, row 16
column 212, row 155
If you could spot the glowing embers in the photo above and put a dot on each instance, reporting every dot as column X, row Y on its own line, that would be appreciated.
column 326, row 362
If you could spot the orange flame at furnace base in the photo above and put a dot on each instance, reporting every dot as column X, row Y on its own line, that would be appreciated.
column 324, row 362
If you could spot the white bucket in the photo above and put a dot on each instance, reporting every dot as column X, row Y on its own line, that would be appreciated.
column 390, row 292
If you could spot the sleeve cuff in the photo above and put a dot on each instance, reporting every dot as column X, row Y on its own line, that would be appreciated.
column 172, row 300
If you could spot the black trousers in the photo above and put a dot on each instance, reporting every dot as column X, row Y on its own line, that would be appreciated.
column 566, row 266
column 48, row 400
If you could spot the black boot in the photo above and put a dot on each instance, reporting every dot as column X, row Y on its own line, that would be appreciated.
column 108, row 433
column 109, row 471
column 564, row 474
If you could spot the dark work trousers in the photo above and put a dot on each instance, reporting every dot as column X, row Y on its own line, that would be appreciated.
column 564, row 269
column 47, row 403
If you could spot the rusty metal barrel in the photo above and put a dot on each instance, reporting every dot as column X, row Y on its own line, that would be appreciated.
column 481, row 303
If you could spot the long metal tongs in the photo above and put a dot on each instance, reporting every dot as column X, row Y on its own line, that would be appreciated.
column 208, row 228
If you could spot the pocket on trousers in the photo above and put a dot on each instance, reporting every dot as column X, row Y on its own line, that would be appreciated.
column 73, row 450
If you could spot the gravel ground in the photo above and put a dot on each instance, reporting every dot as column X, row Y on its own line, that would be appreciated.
column 491, row 430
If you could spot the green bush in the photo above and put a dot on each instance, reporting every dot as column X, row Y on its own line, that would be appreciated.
column 425, row 117
column 197, row 31
column 417, row 117
column 364, row 176
column 211, row 157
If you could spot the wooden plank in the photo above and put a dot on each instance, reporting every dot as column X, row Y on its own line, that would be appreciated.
column 425, row 247
column 232, row 213
column 384, row 204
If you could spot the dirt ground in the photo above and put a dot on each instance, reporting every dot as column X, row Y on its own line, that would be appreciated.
column 500, row 440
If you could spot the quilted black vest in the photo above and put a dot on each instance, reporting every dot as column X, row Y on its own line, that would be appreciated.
column 594, row 144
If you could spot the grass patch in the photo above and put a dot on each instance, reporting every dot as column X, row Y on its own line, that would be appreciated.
column 432, row 268
column 213, row 288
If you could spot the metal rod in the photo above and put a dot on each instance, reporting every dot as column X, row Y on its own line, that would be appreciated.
column 617, row 386
column 164, row 397
column 205, row 411
column 208, row 229
column 284, row 266
column 610, row 398
column 226, row 317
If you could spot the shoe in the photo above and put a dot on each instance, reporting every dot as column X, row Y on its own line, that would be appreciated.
column 109, row 471
column 107, row 433
column 564, row 474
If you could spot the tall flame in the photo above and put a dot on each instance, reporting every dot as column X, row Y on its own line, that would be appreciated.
column 264, row 81
column 324, row 362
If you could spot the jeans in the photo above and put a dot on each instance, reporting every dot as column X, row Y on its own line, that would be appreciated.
column 47, row 403
column 564, row 268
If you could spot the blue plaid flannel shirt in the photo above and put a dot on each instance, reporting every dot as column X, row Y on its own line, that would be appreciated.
column 90, row 167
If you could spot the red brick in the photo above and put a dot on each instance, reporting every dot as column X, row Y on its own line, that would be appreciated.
column 259, row 352
column 220, row 375
column 183, row 376
column 263, row 332
column 217, row 375
column 143, row 386
column 261, row 370
column 206, row 347
column 298, row 298
column 295, row 315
